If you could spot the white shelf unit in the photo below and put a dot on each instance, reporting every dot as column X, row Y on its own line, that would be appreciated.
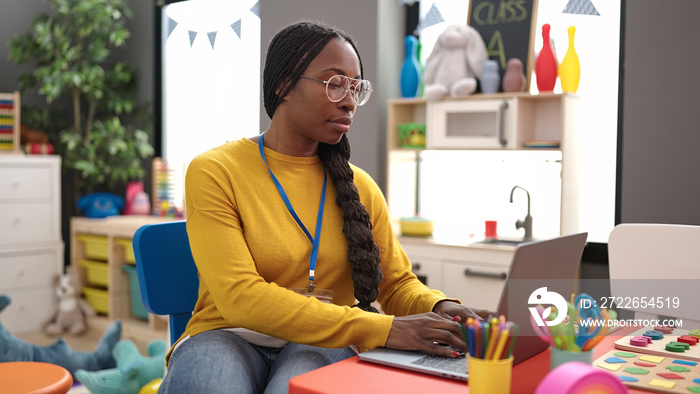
column 475, row 273
column 31, row 248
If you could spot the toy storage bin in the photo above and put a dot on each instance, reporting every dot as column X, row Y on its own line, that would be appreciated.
column 97, row 298
column 128, row 250
column 97, row 272
column 137, row 308
column 95, row 246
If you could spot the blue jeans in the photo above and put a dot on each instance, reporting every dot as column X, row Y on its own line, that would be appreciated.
column 219, row 361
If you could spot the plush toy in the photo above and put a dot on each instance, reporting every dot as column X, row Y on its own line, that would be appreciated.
column 455, row 64
column 72, row 310
column 15, row 349
column 133, row 370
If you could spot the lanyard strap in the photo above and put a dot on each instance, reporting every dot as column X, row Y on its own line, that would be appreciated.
column 316, row 239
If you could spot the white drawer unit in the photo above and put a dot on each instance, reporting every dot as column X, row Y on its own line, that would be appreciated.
column 476, row 285
column 475, row 274
column 31, row 248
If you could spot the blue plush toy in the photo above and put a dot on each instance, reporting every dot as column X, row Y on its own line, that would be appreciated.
column 133, row 370
column 15, row 349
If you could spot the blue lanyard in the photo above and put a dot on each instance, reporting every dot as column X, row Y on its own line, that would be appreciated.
column 316, row 240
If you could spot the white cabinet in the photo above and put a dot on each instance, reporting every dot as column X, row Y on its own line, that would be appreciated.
column 475, row 284
column 473, row 273
column 545, row 123
column 496, row 123
column 31, row 249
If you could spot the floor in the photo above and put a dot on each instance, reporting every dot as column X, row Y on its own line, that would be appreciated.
column 136, row 330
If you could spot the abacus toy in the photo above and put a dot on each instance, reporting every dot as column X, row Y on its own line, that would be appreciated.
column 9, row 122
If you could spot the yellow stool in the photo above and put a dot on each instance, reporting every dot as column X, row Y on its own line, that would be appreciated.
column 29, row 377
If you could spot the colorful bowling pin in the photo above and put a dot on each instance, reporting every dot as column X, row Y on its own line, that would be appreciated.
column 570, row 68
column 546, row 65
column 410, row 78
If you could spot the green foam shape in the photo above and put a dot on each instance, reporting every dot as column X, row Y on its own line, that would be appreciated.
column 625, row 354
column 694, row 389
column 677, row 368
column 636, row 371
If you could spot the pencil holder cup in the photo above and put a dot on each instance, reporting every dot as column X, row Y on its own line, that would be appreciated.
column 490, row 376
column 559, row 357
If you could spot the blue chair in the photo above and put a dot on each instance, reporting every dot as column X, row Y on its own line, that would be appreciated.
column 167, row 274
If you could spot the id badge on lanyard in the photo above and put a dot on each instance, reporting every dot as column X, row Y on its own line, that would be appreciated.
column 310, row 291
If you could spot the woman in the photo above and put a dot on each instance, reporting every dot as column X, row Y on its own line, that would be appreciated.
column 280, row 263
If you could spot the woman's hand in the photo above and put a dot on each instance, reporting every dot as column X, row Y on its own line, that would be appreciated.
column 426, row 332
column 450, row 310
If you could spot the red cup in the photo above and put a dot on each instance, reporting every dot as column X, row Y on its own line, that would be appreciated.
column 491, row 227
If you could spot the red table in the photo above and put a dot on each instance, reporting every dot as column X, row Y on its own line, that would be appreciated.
column 353, row 376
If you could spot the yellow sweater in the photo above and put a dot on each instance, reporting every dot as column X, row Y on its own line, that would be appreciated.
column 249, row 250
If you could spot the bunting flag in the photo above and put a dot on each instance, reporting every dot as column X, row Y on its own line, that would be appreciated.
column 171, row 25
column 256, row 9
column 212, row 38
column 236, row 26
column 580, row 7
column 433, row 17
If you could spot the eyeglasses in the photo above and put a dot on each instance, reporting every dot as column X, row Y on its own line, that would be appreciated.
column 338, row 86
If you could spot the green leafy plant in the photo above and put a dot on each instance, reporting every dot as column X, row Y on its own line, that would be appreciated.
column 88, row 96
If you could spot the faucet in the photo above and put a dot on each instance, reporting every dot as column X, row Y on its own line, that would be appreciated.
column 527, row 223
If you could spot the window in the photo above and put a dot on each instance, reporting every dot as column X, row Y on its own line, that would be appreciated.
column 211, row 78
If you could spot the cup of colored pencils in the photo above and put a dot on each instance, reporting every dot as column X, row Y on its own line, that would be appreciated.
column 490, row 358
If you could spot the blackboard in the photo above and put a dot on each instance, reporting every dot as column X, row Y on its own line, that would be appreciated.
column 508, row 30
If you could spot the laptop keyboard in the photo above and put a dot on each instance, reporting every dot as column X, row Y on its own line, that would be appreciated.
column 456, row 364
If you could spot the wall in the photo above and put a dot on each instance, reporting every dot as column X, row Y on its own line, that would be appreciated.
column 659, row 140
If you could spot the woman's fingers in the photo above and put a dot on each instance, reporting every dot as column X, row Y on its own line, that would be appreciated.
column 427, row 332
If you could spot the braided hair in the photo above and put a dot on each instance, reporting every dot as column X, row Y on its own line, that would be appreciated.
column 288, row 55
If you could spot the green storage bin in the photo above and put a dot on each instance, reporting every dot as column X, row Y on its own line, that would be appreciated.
column 137, row 308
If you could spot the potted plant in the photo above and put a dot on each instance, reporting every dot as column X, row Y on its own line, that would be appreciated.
column 91, row 111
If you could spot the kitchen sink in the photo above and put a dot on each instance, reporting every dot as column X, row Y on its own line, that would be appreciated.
column 501, row 241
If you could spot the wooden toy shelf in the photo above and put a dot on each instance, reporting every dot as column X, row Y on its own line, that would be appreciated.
column 117, row 231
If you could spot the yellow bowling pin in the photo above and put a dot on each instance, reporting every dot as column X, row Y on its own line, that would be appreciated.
column 570, row 68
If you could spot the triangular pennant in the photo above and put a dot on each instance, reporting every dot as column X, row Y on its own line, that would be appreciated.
column 256, row 9
column 171, row 26
column 212, row 38
column 193, row 35
column 433, row 17
column 581, row 7
column 236, row 26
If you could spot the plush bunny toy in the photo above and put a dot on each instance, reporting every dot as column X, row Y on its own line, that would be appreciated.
column 72, row 311
column 455, row 64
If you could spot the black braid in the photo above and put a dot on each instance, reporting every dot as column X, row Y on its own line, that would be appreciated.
column 288, row 55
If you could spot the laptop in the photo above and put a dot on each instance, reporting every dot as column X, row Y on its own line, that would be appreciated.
column 551, row 263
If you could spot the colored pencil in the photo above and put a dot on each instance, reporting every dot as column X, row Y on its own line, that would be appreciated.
column 494, row 335
column 512, row 342
column 470, row 340
column 502, row 338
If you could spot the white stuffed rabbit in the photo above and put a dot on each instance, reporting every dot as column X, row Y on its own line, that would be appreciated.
column 455, row 64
